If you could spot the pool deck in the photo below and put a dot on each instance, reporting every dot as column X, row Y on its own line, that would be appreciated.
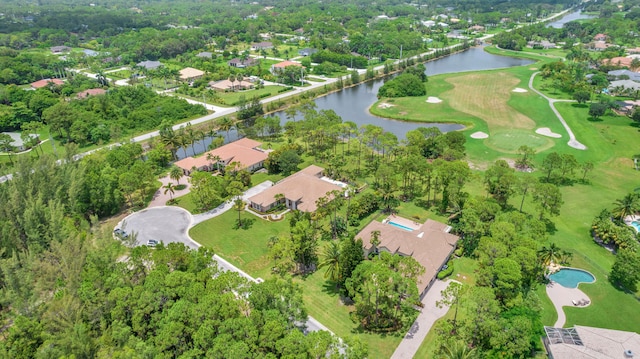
column 563, row 297
column 403, row 222
column 632, row 218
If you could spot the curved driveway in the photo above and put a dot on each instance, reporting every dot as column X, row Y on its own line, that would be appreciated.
column 572, row 138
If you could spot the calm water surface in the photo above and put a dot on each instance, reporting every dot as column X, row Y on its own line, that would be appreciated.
column 352, row 104
column 578, row 15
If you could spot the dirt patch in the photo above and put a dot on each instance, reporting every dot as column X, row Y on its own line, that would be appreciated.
column 403, row 113
column 533, row 68
column 485, row 96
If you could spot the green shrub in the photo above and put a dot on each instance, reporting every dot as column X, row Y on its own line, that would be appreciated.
column 447, row 272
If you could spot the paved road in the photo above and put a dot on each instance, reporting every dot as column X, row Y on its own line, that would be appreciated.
column 573, row 142
column 427, row 317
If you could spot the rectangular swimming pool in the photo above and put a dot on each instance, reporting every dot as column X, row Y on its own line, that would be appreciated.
column 401, row 226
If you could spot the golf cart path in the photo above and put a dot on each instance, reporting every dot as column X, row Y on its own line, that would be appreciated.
column 573, row 142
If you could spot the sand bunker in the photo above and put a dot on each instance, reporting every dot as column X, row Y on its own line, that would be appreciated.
column 518, row 89
column 479, row 135
column 385, row 105
column 432, row 99
column 546, row 131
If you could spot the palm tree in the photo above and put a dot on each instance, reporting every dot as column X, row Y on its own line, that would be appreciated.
column 239, row 78
column 375, row 240
column 549, row 254
column 232, row 79
column 214, row 158
column 626, row 206
column 225, row 124
column 459, row 350
column 175, row 173
column 171, row 189
column 238, row 205
column 331, row 260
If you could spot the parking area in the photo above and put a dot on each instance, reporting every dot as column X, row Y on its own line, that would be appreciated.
column 164, row 224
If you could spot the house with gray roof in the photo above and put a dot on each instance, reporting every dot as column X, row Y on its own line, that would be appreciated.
column 590, row 343
column 624, row 84
column 150, row 65
column 633, row 76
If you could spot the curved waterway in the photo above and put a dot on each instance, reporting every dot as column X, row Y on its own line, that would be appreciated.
column 352, row 104
column 578, row 15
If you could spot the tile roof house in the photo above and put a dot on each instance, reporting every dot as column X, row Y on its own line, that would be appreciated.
column 60, row 49
column 282, row 65
column 245, row 152
column 600, row 37
column 226, row 85
column 590, row 343
column 301, row 191
column 265, row 45
column 46, row 82
column 150, row 65
column 90, row 92
column 599, row 45
column 430, row 244
column 618, row 61
column 190, row 74
column 240, row 63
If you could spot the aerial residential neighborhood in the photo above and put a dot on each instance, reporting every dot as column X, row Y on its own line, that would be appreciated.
column 334, row 179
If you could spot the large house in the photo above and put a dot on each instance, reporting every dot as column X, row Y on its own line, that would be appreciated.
column 226, row 85
column 265, row 45
column 46, row 82
column 590, row 343
column 430, row 244
column 300, row 191
column 240, row 63
column 90, row 92
column 190, row 74
column 280, row 66
column 150, row 65
column 246, row 153
column 16, row 140
column 60, row 49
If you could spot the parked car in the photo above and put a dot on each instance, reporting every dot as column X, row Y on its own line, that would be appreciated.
column 152, row 243
column 120, row 233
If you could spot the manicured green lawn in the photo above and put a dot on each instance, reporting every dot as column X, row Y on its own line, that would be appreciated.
column 231, row 98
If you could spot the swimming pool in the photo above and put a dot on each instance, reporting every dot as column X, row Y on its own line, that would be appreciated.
column 636, row 225
column 570, row 277
column 400, row 226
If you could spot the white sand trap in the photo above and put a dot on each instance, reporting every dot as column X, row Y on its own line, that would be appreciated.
column 518, row 89
column 385, row 105
column 479, row 135
column 432, row 99
column 546, row 131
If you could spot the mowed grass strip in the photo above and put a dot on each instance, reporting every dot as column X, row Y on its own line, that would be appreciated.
column 485, row 95
column 245, row 248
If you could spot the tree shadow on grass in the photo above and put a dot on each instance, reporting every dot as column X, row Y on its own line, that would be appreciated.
column 550, row 226
column 244, row 223
column 579, row 105
column 594, row 119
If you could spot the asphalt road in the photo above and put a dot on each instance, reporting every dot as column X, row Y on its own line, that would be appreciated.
column 164, row 224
